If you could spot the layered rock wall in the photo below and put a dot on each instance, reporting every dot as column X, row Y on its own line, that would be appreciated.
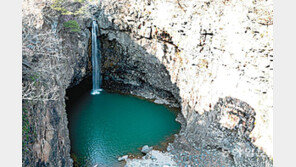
column 54, row 58
column 211, row 51
column 213, row 59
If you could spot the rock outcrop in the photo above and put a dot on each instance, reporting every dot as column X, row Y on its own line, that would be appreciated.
column 54, row 58
column 146, row 149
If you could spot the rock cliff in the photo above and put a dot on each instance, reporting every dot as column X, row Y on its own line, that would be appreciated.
column 212, row 59
column 54, row 58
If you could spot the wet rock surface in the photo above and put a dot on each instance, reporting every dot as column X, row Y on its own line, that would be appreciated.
column 123, row 158
column 146, row 149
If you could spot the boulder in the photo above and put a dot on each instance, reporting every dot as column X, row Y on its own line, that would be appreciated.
column 123, row 158
column 146, row 149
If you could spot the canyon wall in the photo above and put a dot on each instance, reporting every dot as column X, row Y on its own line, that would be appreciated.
column 212, row 59
column 218, row 57
column 54, row 58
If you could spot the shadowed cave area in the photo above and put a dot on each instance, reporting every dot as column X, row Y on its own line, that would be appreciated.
column 122, row 118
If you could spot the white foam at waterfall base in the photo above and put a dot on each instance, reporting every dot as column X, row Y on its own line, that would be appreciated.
column 96, row 91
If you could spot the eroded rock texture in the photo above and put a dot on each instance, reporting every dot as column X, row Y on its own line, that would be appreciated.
column 211, row 58
column 54, row 58
column 210, row 50
column 134, row 71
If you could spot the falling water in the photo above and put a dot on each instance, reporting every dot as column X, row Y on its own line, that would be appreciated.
column 96, row 59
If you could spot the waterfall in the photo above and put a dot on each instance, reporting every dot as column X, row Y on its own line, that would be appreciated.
column 96, row 59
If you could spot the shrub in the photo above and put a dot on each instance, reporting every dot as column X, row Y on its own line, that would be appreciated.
column 61, row 5
column 72, row 25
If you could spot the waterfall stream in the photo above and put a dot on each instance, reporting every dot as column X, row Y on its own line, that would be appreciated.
column 96, row 59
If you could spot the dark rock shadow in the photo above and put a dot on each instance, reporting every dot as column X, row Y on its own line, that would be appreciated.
column 144, row 76
column 220, row 146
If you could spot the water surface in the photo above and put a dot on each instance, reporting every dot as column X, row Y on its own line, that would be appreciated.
column 106, row 126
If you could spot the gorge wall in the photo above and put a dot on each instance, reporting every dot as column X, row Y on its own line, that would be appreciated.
column 54, row 58
column 212, row 59
column 219, row 59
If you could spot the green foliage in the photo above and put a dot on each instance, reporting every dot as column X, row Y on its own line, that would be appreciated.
column 34, row 77
column 28, row 132
column 72, row 25
column 25, row 128
column 59, row 5
column 80, row 1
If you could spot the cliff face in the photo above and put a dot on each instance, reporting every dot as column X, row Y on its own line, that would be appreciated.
column 54, row 58
column 213, row 59
column 216, row 59
column 130, row 69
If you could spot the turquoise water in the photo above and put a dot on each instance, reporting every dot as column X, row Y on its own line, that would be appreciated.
column 106, row 126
